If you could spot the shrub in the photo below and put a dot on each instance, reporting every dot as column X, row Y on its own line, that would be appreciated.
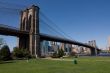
column 17, row 52
column 5, row 53
column 58, row 54
column 0, row 58
column 55, row 55
column 21, row 53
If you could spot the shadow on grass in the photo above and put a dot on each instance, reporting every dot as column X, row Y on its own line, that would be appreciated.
column 4, row 62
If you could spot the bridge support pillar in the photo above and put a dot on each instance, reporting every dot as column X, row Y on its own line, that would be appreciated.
column 30, row 23
column 34, row 45
column 23, row 42
column 94, row 52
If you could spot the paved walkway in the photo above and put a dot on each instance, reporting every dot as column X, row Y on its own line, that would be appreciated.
column 61, row 59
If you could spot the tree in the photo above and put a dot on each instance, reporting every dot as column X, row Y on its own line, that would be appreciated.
column 17, row 53
column 0, row 54
column 2, row 42
column 60, row 53
column 55, row 55
column 5, row 53
column 20, row 53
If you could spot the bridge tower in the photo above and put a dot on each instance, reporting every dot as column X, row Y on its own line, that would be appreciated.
column 30, row 22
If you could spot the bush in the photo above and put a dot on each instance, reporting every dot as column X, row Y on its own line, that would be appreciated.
column 0, row 58
column 5, row 53
column 58, row 54
column 17, row 52
column 21, row 53
column 55, row 55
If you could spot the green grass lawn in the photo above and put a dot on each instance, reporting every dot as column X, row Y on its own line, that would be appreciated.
column 85, row 65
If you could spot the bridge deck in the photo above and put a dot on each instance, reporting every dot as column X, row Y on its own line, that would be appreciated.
column 16, row 32
column 7, row 30
column 64, row 40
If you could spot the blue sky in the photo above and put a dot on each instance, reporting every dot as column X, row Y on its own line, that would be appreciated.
column 83, row 20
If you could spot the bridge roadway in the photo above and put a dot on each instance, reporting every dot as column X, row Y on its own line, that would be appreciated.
column 12, row 31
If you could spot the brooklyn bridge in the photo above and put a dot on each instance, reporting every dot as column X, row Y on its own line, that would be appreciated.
column 29, row 35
